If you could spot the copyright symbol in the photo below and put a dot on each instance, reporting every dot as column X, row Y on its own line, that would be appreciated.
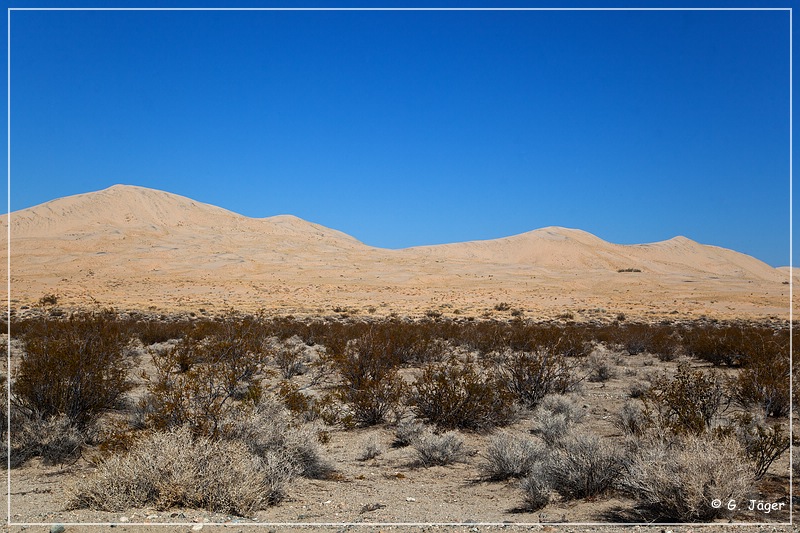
column 716, row 504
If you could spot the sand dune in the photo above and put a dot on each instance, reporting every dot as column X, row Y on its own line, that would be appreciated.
column 132, row 247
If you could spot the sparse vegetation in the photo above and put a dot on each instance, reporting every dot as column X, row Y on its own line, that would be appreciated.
column 251, row 399
column 510, row 456
column 434, row 449
column 457, row 395
column 677, row 480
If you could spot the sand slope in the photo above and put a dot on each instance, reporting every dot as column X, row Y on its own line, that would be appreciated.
column 132, row 247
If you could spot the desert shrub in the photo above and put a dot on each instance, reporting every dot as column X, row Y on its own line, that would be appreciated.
column 438, row 450
column 266, row 429
column 632, row 420
column 764, row 383
column 735, row 344
column 458, row 395
column 289, row 356
column 157, row 331
column 74, row 368
column 530, row 376
column 370, row 449
column 677, row 481
column 580, row 466
column 600, row 370
column 197, row 383
column 510, row 456
column 689, row 402
column 536, row 490
column 554, row 416
column 369, row 383
column 56, row 439
column 659, row 340
column 763, row 443
column 639, row 389
column 406, row 431
column 175, row 468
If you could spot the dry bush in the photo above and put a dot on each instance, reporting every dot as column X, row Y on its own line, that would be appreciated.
column 530, row 376
column 554, row 417
column 762, row 442
column 177, row 469
column 458, row 395
column 600, row 370
column 581, row 466
column 764, row 383
column 369, row 383
column 689, row 402
column 266, row 429
column 439, row 450
column 55, row 439
column 74, row 367
column 735, row 345
column 197, row 383
column 370, row 449
column 536, row 490
column 406, row 431
column 632, row 420
column 677, row 481
column 289, row 356
column 510, row 456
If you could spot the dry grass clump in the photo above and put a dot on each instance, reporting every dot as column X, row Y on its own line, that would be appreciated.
column 677, row 480
column 456, row 395
column 554, row 417
column 266, row 429
column 370, row 449
column 536, row 490
column 175, row 468
column 433, row 449
column 55, row 439
column 406, row 431
column 580, row 466
column 510, row 456
column 632, row 420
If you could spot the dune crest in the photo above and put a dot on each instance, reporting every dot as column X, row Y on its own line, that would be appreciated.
column 129, row 246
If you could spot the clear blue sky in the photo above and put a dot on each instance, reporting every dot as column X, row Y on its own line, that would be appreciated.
column 410, row 128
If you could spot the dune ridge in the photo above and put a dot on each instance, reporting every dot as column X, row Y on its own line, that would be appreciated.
column 133, row 247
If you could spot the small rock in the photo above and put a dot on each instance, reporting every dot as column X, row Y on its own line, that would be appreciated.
column 56, row 528
column 123, row 519
column 198, row 527
column 410, row 499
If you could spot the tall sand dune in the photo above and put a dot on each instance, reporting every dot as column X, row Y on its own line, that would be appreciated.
column 135, row 248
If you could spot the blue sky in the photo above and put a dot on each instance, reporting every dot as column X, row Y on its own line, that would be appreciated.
column 411, row 128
